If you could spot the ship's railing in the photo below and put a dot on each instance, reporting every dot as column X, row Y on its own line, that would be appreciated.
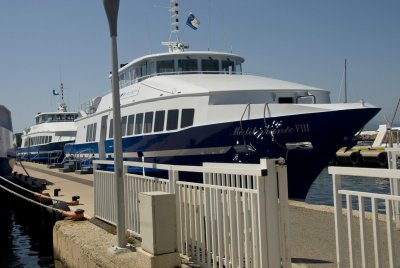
column 382, row 230
column 238, row 216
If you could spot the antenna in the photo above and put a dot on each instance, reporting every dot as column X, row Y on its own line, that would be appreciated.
column 62, row 107
column 174, row 46
column 174, row 18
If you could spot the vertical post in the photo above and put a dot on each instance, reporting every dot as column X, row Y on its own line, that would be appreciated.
column 111, row 7
column 337, row 200
column 284, row 213
column 394, row 183
column 268, row 215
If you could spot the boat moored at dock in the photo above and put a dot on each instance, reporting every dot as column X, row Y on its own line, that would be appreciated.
column 44, row 142
column 189, row 107
column 7, row 149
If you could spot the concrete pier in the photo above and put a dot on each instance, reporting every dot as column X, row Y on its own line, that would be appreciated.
column 312, row 231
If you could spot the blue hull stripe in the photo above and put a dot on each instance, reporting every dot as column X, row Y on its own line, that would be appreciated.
column 228, row 142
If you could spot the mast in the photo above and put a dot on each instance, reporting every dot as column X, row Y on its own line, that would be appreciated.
column 174, row 46
column 345, row 80
column 62, row 107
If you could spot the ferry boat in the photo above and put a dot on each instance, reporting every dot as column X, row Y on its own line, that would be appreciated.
column 189, row 107
column 44, row 142
column 7, row 149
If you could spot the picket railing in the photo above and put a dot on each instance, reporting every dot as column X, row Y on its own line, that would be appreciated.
column 388, row 200
column 233, row 219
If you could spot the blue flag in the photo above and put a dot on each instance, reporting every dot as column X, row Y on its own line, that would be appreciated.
column 55, row 93
column 193, row 22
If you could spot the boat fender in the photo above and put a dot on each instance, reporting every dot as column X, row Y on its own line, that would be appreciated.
column 383, row 159
column 355, row 158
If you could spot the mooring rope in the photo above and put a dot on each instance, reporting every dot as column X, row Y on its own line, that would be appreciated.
column 77, row 214
column 28, row 199
column 37, row 194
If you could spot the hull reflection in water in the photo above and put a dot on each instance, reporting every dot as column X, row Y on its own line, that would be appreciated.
column 25, row 240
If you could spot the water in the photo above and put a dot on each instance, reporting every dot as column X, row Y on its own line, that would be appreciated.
column 29, row 243
column 321, row 192
column 24, row 240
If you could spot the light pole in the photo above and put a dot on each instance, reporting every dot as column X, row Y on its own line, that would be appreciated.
column 111, row 8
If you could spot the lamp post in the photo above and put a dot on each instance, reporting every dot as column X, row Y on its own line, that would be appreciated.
column 111, row 8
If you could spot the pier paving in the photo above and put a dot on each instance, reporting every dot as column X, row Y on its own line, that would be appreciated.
column 312, row 228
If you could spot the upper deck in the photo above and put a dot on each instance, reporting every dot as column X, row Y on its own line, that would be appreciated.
column 203, row 62
column 49, row 117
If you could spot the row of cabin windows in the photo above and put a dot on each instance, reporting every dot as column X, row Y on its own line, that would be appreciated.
column 210, row 65
column 37, row 140
column 153, row 122
column 45, row 118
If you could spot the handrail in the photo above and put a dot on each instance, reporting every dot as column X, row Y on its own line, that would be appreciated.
column 241, row 122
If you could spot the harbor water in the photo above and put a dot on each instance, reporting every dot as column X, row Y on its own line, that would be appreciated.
column 26, row 242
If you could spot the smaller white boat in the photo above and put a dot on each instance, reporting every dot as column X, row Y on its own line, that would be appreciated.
column 44, row 142
column 7, row 150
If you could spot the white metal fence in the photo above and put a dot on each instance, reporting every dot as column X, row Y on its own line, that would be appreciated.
column 394, row 163
column 238, row 216
column 387, row 200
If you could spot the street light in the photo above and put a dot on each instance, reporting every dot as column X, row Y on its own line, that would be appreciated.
column 111, row 8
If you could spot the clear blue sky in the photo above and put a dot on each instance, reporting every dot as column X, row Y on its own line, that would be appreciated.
column 45, row 42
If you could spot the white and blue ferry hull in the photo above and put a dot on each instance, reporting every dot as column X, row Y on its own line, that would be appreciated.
column 307, row 142
column 7, row 150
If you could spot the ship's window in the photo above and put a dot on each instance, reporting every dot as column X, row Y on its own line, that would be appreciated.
column 139, row 123
column 165, row 66
column 87, row 132
column 188, row 65
column 123, row 126
column 94, row 132
column 172, row 119
column 159, row 121
column 238, row 68
column 50, row 138
column 228, row 66
column 285, row 100
column 111, row 131
column 209, row 65
column 91, row 132
column 129, row 130
column 37, row 120
column 46, row 139
column 148, row 122
column 152, row 68
column 310, row 99
column 187, row 117
column 143, row 67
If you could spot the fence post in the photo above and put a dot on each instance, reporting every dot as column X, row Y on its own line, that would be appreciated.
column 394, row 183
column 337, row 200
column 268, row 214
column 284, row 212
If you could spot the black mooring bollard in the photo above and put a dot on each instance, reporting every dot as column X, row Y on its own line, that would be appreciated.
column 56, row 191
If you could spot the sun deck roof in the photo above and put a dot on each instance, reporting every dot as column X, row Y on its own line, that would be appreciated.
column 179, row 63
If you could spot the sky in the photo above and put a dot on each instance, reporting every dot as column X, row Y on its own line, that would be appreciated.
column 46, row 42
